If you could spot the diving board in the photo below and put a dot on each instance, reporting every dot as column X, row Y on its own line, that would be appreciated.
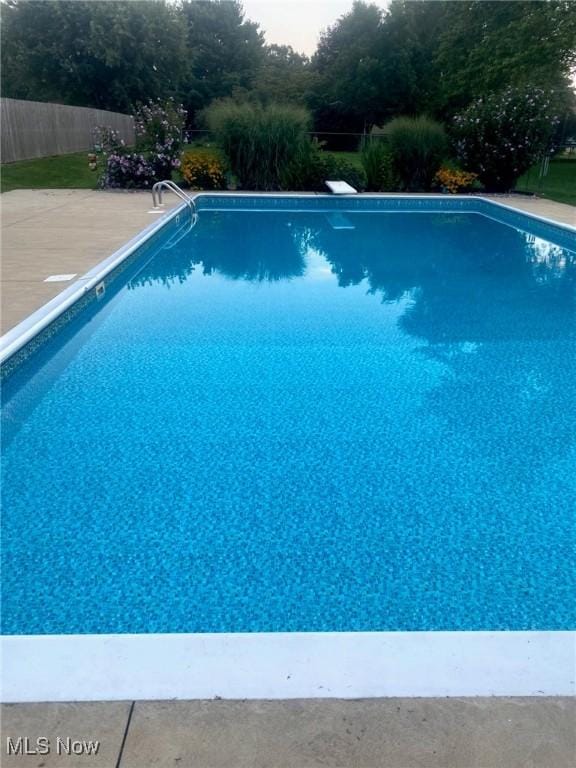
column 340, row 188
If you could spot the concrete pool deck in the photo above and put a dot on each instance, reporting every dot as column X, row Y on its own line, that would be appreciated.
column 62, row 231
column 369, row 733
column 69, row 231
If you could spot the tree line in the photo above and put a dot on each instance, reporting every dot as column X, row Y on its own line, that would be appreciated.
column 412, row 58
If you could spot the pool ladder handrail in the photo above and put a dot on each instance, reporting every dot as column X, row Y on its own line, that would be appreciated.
column 169, row 184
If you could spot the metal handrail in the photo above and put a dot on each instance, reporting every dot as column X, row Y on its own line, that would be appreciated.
column 168, row 184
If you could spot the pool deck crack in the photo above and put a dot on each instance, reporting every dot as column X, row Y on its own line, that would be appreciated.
column 125, row 736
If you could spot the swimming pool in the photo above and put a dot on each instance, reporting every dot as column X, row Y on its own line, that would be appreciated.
column 302, row 415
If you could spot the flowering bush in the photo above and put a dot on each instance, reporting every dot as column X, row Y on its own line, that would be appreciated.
column 203, row 171
column 106, row 139
column 159, row 122
column 128, row 171
column 453, row 181
column 501, row 135
column 158, row 127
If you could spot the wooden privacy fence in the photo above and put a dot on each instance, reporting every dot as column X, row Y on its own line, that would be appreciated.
column 37, row 129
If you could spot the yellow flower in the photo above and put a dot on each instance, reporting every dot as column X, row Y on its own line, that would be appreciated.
column 454, row 181
column 203, row 170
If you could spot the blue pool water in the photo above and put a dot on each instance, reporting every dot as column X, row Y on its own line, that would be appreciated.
column 279, row 424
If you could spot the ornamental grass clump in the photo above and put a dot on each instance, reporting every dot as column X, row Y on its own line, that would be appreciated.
column 376, row 158
column 501, row 136
column 418, row 146
column 259, row 141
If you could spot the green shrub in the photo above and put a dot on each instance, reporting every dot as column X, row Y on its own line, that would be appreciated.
column 340, row 169
column 376, row 158
column 418, row 146
column 312, row 167
column 259, row 142
column 499, row 137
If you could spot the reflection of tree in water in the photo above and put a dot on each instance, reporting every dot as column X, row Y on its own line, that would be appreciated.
column 496, row 307
column 262, row 248
column 468, row 282
column 391, row 253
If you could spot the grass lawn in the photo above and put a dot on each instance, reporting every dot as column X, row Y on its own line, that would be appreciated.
column 202, row 150
column 61, row 172
column 72, row 172
column 559, row 184
column 351, row 157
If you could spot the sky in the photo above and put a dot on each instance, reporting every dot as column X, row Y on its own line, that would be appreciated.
column 296, row 22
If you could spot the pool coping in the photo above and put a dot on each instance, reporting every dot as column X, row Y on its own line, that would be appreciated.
column 286, row 665
column 274, row 665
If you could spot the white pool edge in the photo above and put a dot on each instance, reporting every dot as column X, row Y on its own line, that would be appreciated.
column 287, row 665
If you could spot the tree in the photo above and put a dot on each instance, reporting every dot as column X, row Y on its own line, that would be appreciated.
column 409, row 39
column 371, row 65
column 226, row 51
column 104, row 54
column 116, row 54
column 486, row 46
column 437, row 57
column 348, row 88
column 376, row 64
column 284, row 76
